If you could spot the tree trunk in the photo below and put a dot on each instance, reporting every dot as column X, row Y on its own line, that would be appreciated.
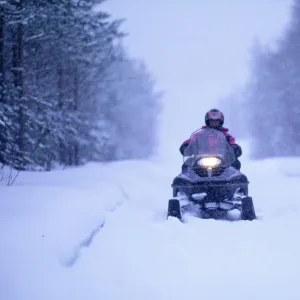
column 76, row 105
column 18, row 70
column 20, row 85
column 62, row 148
column 1, row 47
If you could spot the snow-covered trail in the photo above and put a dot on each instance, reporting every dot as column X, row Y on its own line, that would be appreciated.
column 139, row 256
column 136, row 253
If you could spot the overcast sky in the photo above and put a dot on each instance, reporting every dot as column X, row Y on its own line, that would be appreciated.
column 197, row 49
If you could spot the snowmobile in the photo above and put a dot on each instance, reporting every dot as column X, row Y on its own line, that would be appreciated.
column 209, row 186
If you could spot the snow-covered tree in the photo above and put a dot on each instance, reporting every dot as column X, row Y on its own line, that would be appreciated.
column 67, row 88
column 273, row 92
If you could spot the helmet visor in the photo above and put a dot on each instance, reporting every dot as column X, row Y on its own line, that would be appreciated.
column 214, row 123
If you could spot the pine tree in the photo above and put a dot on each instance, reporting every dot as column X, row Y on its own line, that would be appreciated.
column 273, row 94
column 69, row 92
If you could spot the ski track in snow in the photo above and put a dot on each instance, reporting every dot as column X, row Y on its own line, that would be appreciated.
column 87, row 241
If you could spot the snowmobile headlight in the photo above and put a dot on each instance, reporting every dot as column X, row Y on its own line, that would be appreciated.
column 209, row 162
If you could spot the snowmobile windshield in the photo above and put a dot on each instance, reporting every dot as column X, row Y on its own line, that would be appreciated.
column 211, row 145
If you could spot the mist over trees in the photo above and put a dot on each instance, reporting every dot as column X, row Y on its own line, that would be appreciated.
column 69, row 93
column 233, row 106
column 267, row 109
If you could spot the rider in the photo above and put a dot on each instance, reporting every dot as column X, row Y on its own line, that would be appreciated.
column 215, row 119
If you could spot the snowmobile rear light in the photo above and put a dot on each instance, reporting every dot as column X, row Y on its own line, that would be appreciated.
column 209, row 162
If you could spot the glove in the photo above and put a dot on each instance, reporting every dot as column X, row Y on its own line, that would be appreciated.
column 237, row 150
column 182, row 148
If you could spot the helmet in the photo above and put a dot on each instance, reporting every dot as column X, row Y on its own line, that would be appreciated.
column 214, row 118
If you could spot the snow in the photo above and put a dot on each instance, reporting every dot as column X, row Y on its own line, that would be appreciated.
column 100, row 232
